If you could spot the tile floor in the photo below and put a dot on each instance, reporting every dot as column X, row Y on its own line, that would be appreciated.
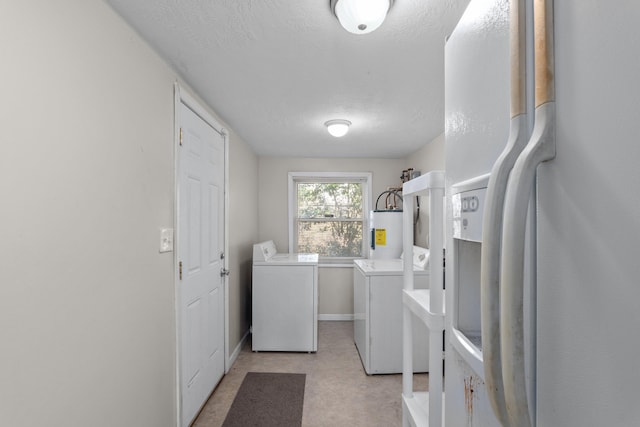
column 337, row 391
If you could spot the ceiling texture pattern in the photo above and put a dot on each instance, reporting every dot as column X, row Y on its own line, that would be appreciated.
column 277, row 70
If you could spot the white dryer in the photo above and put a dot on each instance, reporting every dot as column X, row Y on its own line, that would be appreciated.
column 377, row 301
column 284, row 300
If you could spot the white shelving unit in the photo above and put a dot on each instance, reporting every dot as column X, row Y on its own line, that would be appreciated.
column 424, row 408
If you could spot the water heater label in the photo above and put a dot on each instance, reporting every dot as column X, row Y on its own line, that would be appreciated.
column 381, row 237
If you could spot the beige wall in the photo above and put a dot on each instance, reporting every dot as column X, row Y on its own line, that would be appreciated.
column 335, row 290
column 87, row 180
column 87, row 316
column 428, row 158
column 243, row 233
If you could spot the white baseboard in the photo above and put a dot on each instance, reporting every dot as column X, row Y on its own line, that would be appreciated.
column 335, row 317
column 237, row 350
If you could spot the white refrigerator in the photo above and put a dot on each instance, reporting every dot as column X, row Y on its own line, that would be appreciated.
column 575, row 342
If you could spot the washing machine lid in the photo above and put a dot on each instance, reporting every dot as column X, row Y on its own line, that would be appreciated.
column 394, row 266
column 385, row 267
column 289, row 259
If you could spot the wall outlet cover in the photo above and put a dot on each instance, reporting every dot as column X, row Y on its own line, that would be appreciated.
column 166, row 240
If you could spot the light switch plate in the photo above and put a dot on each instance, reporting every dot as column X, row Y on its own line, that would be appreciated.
column 166, row 240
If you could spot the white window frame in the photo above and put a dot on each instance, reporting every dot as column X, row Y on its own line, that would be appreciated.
column 364, row 177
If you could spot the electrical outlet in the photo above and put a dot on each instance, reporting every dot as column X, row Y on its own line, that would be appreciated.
column 166, row 240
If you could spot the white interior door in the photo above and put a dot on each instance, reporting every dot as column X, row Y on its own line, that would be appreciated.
column 200, row 260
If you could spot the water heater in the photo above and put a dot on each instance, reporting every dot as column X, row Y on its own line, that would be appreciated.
column 386, row 234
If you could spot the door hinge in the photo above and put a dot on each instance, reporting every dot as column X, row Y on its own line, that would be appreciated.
column 180, row 269
column 180, row 136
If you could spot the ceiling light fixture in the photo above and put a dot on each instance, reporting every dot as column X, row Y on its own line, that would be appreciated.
column 338, row 127
column 360, row 16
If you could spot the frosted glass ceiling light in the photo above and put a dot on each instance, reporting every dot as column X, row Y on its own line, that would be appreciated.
column 338, row 127
column 360, row 16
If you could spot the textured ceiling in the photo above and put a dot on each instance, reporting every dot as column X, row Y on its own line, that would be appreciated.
column 276, row 70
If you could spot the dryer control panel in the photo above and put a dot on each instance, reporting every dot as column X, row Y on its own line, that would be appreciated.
column 264, row 251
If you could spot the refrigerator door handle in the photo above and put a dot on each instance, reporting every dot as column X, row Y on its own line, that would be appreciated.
column 541, row 147
column 493, row 215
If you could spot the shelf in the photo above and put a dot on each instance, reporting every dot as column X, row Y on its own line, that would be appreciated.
column 418, row 301
column 421, row 185
column 417, row 409
column 469, row 347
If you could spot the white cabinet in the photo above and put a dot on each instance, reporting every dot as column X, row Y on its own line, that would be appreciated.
column 377, row 326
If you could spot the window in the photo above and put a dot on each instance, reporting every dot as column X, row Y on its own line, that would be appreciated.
column 328, row 214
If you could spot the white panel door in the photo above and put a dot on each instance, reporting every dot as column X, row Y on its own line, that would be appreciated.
column 200, row 253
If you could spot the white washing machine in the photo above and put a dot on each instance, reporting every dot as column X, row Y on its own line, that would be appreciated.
column 284, row 300
column 377, row 301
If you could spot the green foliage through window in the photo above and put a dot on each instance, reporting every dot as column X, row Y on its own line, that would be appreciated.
column 330, row 218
